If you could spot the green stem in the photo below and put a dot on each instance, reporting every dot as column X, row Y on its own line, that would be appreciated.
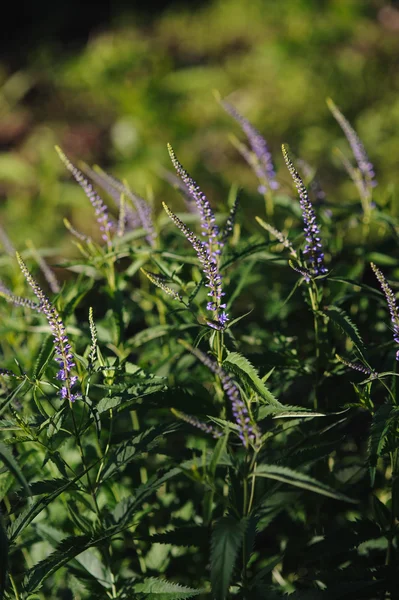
column 315, row 308
column 14, row 587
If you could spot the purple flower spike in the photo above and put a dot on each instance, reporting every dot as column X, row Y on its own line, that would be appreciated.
column 101, row 210
column 197, row 423
column 210, row 230
column 210, row 269
column 313, row 248
column 265, row 169
column 391, row 301
column 359, row 152
column 63, row 351
column 247, row 430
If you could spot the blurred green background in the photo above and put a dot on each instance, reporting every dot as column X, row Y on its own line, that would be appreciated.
column 116, row 93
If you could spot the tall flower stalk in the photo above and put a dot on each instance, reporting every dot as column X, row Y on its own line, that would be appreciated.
column 63, row 351
column 210, row 270
column 391, row 301
column 314, row 255
column 364, row 175
column 258, row 156
column 100, row 208
column 247, row 429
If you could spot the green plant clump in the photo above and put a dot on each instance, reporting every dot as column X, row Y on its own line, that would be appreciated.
column 204, row 403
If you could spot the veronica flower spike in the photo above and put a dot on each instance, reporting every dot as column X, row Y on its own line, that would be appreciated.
column 313, row 249
column 391, row 301
column 210, row 230
column 359, row 152
column 96, row 201
column 265, row 170
column 210, row 269
column 247, row 430
column 63, row 353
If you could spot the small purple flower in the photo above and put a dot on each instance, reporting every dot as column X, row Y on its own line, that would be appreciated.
column 313, row 248
column 63, row 351
column 264, row 168
column 391, row 301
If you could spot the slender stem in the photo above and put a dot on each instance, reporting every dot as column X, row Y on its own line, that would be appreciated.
column 14, row 587
column 315, row 308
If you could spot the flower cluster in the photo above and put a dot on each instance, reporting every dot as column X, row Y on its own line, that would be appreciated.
column 210, row 269
column 141, row 216
column 263, row 167
column 247, row 431
column 197, row 423
column 313, row 248
column 230, row 222
column 359, row 152
column 391, row 301
column 63, row 353
column 101, row 210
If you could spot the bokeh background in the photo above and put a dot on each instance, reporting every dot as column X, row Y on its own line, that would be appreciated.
column 113, row 84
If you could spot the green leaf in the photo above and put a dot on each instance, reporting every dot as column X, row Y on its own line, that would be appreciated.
column 240, row 365
column 185, row 536
column 159, row 589
column 134, row 448
column 227, row 537
column 286, row 475
column 9, row 461
column 340, row 318
column 383, row 420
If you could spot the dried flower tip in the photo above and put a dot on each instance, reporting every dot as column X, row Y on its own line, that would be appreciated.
column 158, row 281
column 258, row 145
column 359, row 152
column 391, row 301
column 197, row 423
column 313, row 247
column 63, row 350
column 101, row 210
column 278, row 235
column 45, row 269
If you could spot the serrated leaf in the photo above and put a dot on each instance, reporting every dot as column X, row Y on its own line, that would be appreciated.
column 133, row 449
column 185, row 536
column 342, row 320
column 227, row 538
column 297, row 479
column 159, row 589
column 383, row 420
column 241, row 366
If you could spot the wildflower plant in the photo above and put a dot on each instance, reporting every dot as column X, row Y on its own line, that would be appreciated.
column 213, row 413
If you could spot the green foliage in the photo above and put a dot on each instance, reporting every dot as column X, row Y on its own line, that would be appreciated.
column 280, row 475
